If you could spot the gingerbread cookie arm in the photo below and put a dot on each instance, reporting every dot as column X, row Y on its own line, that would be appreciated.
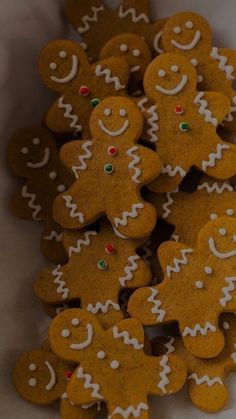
column 82, row 15
column 226, row 59
column 76, row 155
column 113, row 72
column 51, row 243
column 24, row 203
column 74, row 241
column 79, row 392
column 173, row 256
column 208, row 393
column 70, row 410
column 154, row 35
column 62, row 117
column 213, row 106
column 170, row 178
column 150, row 163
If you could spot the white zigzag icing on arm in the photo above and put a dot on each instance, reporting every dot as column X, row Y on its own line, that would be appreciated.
column 68, row 108
column 167, row 204
column 126, row 338
column 205, row 379
column 131, row 410
column 223, row 66
column 152, row 122
column 228, row 290
column 87, row 19
column 82, row 242
column 177, row 262
column 88, row 384
column 141, row 104
column 169, row 346
column 73, row 208
column 230, row 117
column 135, row 160
column 173, row 171
column 129, row 269
column 156, row 305
column 214, row 156
column 125, row 215
column 233, row 355
column 31, row 204
column 215, row 187
column 106, row 72
column 54, row 236
column 163, row 374
column 61, row 289
column 206, row 113
column 147, row 253
column 104, row 308
column 82, row 158
column 199, row 329
column 135, row 17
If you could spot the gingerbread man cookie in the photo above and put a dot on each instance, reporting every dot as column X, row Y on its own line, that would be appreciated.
column 186, row 122
column 97, row 23
column 189, row 34
column 100, row 265
column 206, row 378
column 65, row 69
column 210, row 200
column 110, row 170
column 112, row 363
column 32, row 155
column 137, row 54
column 199, row 284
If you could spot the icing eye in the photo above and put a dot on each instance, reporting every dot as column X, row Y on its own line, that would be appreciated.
column 161, row 73
column 213, row 216
column 114, row 364
column 62, row 54
column 32, row 382
column 102, row 264
column 32, row 367
column 177, row 29
column 194, row 62
column 61, row 188
column 222, row 231
column 136, row 53
column 189, row 24
column 208, row 270
column 36, row 141
column 107, row 112
column 174, row 68
column 229, row 211
column 53, row 66
column 124, row 47
column 122, row 112
column 226, row 325
column 199, row 284
column 65, row 333
column 75, row 322
column 24, row 150
column 52, row 175
column 101, row 355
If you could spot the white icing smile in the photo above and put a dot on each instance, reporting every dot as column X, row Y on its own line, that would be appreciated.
column 221, row 255
column 86, row 342
column 43, row 162
column 52, row 381
column 71, row 74
column 176, row 89
column 120, row 131
column 191, row 45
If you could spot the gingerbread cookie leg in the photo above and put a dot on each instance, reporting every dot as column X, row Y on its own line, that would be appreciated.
column 24, row 203
column 70, row 410
column 207, row 392
column 51, row 243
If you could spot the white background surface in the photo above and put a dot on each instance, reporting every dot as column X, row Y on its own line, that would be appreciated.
column 25, row 27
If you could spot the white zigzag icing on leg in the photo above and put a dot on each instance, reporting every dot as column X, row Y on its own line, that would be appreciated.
column 54, row 236
column 169, row 345
column 133, row 14
column 205, row 379
column 135, row 160
column 61, row 289
column 69, row 115
column 88, row 383
column 154, row 127
column 163, row 374
column 129, row 269
column 131, row 410
column 156, row 305
column 206, row 113
column 126, row 338
column 87, row 19
column 125, row 215
column 177, row 262
column 199, row 329
column 214, row 156
column 173, row 171
column 73, row 208
column 147, row 253
column 228, row 290
column 81, row 242
column 82, row 158
column 106, row 72
column 31, row 204
column 167, row 204
column 215, row 187
column 103, row 307
column 228, row 69
column 141, row 104
column 230, row 117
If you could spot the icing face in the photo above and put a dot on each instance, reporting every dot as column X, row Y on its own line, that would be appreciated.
column 43, row 161
column 223, row 245
column 172, row 89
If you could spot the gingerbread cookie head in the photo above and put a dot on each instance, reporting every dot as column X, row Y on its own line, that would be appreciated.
column 40, row 377
column 204, row 282
column 187, row 33
column 168, row 76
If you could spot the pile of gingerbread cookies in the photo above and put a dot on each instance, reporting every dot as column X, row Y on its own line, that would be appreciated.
column 131, row 173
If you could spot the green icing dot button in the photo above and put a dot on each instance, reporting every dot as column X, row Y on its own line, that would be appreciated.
column 102, row 264
column 94, row 102
column 108, row 168
column 184, row 126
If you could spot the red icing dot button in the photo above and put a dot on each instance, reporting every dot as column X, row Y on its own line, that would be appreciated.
column 110, row 249
column 112, row 150
column 84, row 91
column 68, row 374
column 179, row 110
